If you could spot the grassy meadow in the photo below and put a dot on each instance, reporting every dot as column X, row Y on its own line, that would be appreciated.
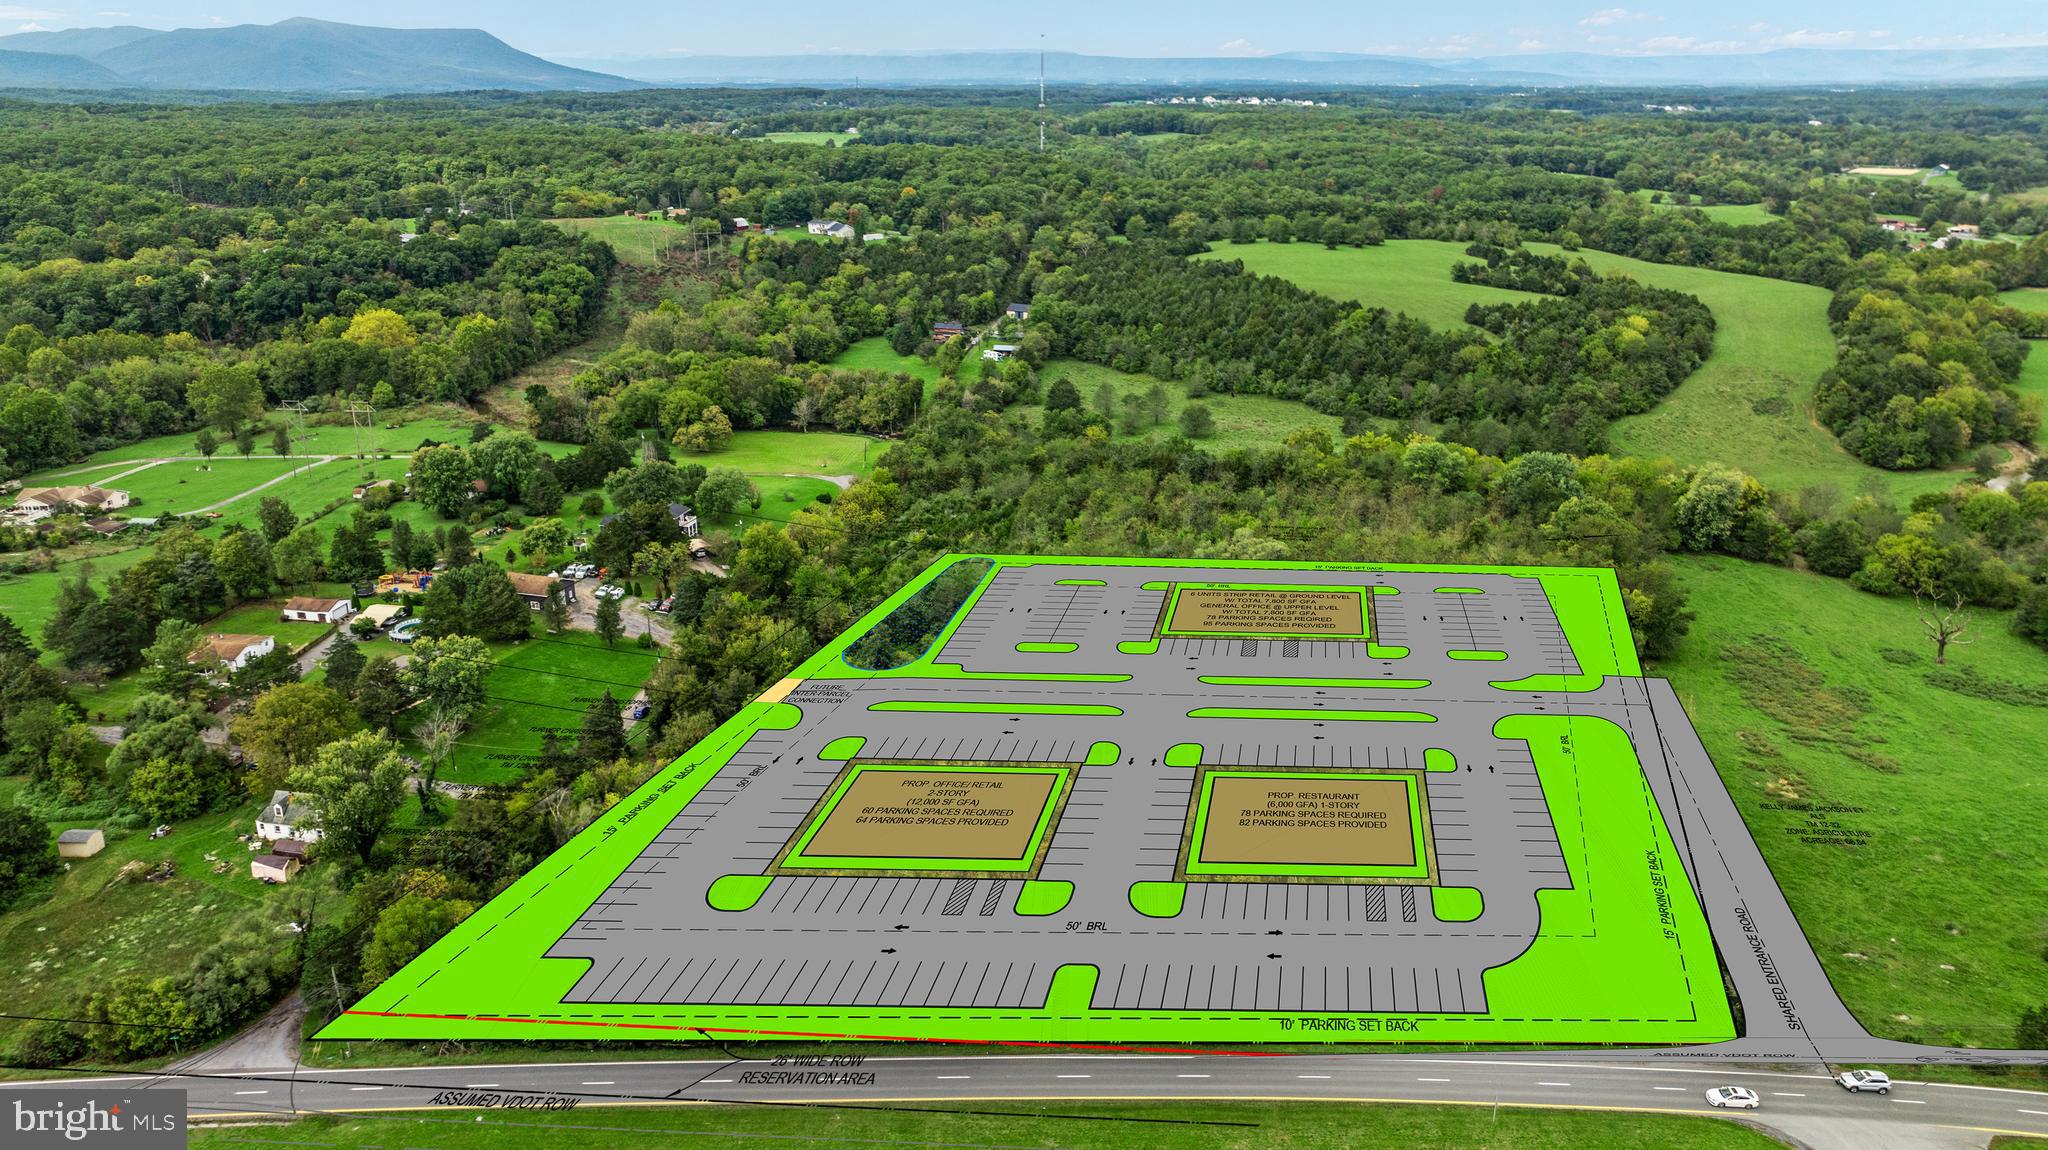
column 1896, row 802
column 540, row 684
column 1242, row 421
column 833, row 139
column 638, row 242
column 90, row 926
column 1748, row 406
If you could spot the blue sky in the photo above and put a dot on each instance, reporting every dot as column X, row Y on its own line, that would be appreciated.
column 1132, row 28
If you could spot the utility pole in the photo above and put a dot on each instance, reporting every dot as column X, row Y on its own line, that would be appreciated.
column 363, row 418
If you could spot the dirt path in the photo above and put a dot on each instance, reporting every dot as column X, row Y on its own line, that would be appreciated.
column 294, row 473
column 269, row 1043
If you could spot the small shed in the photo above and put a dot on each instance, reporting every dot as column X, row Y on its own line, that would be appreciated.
column 273, row 868
column 318, row 609
column 82, row 843
column 289, row 848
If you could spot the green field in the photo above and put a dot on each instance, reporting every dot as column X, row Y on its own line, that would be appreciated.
column 875, row 354
column 2033, row 378
column 833, row 139
column 794, row 453
column 1749, row 406
column 91, row 928
column 2026, row 299
column 1177, row 1125
column 639, row 242
column 538, row 684
column 1412, row 276
column 30, row 600
column 181, row 488
column 320, row 440
column 1242, row 421
column 1739, row 215
column 495, row 987
column 1930, row 923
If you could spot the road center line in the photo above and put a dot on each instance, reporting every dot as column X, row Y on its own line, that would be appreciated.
column 478, row 1085
column 252, row 1092
column 1073, row 1076
column 1782, row 1094
column 2042, row 1113
column 605, row 1083
column 1680, row 1089
column 952, row 1077
column 1910, row 1101
column 1432, row 1080
column 1311, row 1076
column 366, row 1088
column 1553, row 1084
column 1191, row 1076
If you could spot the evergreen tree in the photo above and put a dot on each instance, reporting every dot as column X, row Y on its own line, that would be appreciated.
column 602, row 740
column 344, row 664
column 609, row 625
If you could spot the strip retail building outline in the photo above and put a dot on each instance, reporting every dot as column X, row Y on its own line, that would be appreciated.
column 1087, row 800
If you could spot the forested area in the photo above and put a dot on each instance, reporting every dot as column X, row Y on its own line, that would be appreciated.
column 178, row 270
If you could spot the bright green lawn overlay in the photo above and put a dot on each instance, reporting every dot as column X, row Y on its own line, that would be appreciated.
column 488, row 979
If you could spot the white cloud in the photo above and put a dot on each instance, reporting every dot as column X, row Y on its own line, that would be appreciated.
column 1809, row 38
column 1669, row 45
column 1607, row 16
column 1531, row 46
column 1242, row 47
column 31, row 26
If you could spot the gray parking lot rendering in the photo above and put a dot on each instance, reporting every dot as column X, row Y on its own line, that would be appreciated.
column 1134, row 800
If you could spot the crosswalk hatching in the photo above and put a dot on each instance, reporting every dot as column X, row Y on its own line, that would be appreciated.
column 895, row 940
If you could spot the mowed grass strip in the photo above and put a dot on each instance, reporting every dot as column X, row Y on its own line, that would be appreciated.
column 1900, row 816
column 181, row 488
column 1171, row 1125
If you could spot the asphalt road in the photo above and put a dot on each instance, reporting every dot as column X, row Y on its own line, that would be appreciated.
column 1803, row 1106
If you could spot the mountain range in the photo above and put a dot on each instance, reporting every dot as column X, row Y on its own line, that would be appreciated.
column 1786, row 67
column 298, row 55
column 323, row 58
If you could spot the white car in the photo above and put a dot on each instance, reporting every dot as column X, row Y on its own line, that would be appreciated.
column 1857, row 1081
column 1733, row 1098
column 611, row 591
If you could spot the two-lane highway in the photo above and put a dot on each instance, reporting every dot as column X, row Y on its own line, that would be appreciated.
column 1807, row 1107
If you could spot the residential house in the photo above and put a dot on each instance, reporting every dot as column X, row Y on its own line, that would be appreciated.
column 874, row 237
column 80, row 844
column 273, row 868
column 41, row 502
column 946, row 329
column 318, row 609
column 1965, row 231
column 289, row 815
column 740, row 224
column 841, row 231
column 107, row 526
column 477, row 488
column 1000, row 352
column 686, row 519
column 1018, row 311
column 818, row 227
column 234, row 651
column 533, row 589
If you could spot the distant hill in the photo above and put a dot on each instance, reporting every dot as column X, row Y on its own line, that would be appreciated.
column 302, row 55
column 76, row 41
column 43, row 70
column 1785, row 67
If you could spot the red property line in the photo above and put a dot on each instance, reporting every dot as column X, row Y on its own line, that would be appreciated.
column 826, row 1034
